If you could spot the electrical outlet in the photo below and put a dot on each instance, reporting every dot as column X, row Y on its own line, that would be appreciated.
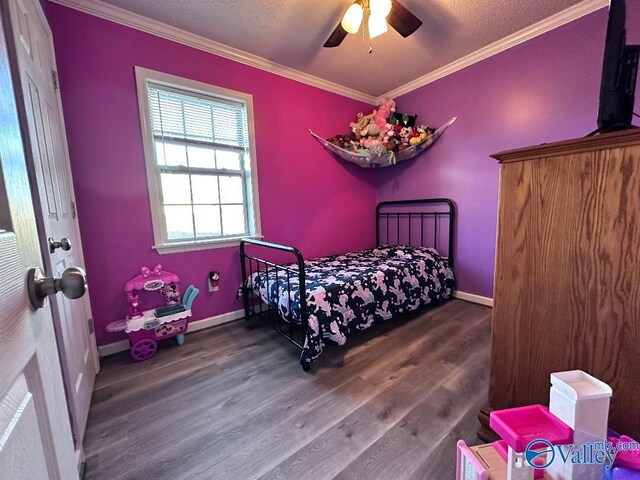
column 214, row 279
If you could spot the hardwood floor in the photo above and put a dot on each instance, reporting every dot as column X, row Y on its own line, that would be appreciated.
column 234, row 403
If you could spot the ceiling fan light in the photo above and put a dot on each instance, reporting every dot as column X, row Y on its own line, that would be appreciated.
column 377, row 25
column 353, row 18
column 380, row 7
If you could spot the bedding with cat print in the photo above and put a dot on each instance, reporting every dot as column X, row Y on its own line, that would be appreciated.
column 356, row 290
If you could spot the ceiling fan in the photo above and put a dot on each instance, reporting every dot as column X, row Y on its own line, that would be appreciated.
column 379, row 13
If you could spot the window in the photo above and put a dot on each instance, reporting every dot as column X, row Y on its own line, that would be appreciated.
column 200, row 162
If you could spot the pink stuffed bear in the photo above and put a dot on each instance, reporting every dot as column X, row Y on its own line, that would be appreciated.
column 386, row 109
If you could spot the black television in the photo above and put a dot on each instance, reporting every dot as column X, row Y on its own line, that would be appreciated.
column 619, row 74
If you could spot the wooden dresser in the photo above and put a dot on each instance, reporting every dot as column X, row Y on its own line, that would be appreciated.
column 567, row 279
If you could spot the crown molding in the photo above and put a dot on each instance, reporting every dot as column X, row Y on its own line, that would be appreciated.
column 559, row 19
column 121, row 16
column 133, row 20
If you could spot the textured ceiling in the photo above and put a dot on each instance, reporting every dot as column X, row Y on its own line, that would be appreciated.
column 291, row 32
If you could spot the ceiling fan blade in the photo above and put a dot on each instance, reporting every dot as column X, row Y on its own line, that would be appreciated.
column 336, row 37
column 402, row 20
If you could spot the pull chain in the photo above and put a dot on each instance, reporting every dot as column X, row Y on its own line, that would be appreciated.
column 366, row 38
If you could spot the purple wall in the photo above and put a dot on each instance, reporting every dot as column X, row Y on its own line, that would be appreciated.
column 541, row 91
column 45, row 7
column 307, row 198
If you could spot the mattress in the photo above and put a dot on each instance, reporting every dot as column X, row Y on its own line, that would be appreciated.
column 356, row 290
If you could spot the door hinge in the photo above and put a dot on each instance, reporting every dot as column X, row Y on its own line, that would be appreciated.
column 54, row 77
column 74, row 211
column 90, row 323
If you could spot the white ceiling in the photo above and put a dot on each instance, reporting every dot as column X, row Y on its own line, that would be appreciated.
column 291, row 32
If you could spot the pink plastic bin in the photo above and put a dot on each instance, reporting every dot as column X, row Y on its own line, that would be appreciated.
column 627, row 458
column 519, row 426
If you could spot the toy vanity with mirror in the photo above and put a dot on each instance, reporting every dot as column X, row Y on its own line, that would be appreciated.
column 146, row 327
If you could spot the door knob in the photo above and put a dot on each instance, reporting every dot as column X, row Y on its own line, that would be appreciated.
column 64, row 244
column 72, row 283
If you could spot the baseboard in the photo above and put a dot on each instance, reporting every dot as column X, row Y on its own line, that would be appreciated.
column 214, row 321
column 122, row 345
column 473, row 298
column 112, row 348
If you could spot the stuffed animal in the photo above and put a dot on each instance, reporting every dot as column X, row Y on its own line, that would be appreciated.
column 369, row 141
column 347, row 142
column 388, row 130
column 388, row 136
column 363, row 123
column 421, row 134
column 418, row 135
column 371, row 130
column 405, row 134
column 375, row 146
column 415, row 140
column 386, row 109
column 378, row 149
column 383, row 132
column 393, row 144
column 404, row 120
column 428, row 130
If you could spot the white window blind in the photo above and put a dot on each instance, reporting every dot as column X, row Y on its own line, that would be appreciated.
column 192, row 117
column 201, row 146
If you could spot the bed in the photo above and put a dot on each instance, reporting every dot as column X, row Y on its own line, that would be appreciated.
column 325, row 300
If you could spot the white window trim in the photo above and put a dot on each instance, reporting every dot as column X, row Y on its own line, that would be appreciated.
column 144, row 75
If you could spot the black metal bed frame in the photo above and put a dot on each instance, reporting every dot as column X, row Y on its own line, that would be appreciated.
column 389, row 215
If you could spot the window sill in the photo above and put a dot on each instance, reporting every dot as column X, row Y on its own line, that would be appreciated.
column 181, row 247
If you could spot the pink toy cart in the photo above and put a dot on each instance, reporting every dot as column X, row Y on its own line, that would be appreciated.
column 146, row 328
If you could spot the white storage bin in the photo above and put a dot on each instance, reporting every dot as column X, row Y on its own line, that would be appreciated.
column 582, row 402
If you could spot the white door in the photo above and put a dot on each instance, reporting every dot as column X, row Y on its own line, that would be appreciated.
column 35, row 436
column 47, row 142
